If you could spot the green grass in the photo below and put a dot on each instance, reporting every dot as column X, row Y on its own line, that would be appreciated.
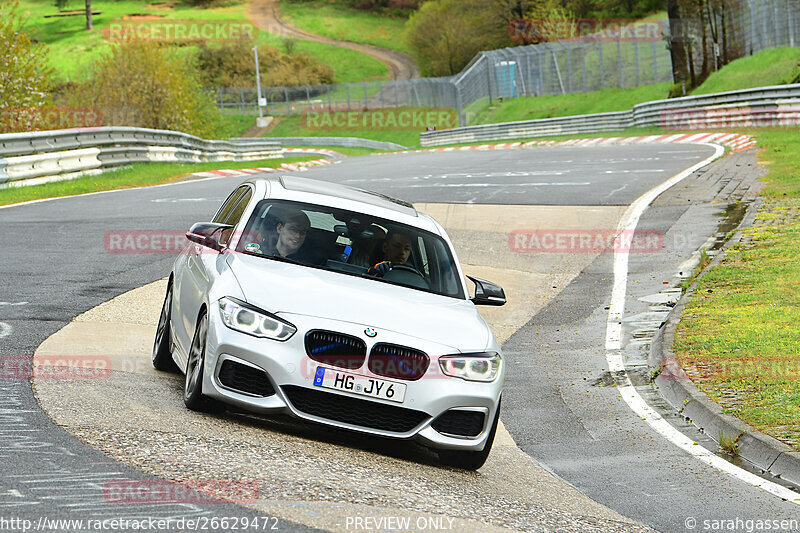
column 73, row 50
column 741, row 323
column 565, row 105
column 338, row 20
column 777, row 66
column 235, row 125
column 137, row 175
column 348, row 65
column 293, row 126
column 344, row 150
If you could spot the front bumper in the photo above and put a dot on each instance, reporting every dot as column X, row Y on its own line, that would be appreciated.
column 291, row 375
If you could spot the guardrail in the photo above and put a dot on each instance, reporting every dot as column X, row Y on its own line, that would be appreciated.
column 35, row 157
column 348, row 142
column 763, row 106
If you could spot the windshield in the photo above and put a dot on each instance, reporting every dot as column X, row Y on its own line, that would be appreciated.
column 351, row 243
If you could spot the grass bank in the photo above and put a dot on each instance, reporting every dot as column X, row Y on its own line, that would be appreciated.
column 337, row 19
column 136, row 175
column 73, row 50
column 739, row 337
column 777, row 66
column 564, row 105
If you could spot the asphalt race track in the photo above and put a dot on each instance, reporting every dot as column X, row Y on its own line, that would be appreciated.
column 55, row 265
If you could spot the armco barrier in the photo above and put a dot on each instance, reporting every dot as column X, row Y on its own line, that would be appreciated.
column 348, row 142
column 763, row 106
column 34, row 157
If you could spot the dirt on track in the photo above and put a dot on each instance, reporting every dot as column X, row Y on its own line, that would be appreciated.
column 266, row 15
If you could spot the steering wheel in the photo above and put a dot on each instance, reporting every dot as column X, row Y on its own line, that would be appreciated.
column 406, row 275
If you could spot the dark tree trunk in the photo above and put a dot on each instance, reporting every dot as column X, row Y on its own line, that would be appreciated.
column 89, row 15
column 677, row 42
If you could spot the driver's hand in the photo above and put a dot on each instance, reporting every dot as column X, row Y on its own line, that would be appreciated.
column 380, row 268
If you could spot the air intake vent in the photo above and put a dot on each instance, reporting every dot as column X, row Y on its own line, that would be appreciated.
column 399, row 362
column 363, row 413
column 336, row 349
column 460, row 423
column 245, row 378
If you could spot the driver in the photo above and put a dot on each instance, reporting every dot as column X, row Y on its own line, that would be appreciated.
column 291, row 233
column 396, row 250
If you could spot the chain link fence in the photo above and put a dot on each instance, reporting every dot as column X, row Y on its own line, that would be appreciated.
column 621, row 59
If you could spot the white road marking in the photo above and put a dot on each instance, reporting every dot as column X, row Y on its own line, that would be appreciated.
column 177, row 200
column 13, row 303
column 614, row 357
column 5, row 330
column 468, row 185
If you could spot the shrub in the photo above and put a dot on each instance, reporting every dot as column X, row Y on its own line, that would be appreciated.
column 24, row 73
column 145, row 85
column 233, row 65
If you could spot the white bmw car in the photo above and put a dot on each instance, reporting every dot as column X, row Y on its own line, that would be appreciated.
column 338, row 306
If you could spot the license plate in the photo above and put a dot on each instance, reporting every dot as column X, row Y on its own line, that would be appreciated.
column 329, row 378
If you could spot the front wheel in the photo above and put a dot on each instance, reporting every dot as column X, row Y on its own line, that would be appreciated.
column 162, row 349
column 193, row 388
column 471, row 460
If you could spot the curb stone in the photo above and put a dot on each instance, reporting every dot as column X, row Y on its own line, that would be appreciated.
column 762, row 451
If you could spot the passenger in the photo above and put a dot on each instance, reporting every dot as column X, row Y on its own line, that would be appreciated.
column 396, row 251
column 364, row 248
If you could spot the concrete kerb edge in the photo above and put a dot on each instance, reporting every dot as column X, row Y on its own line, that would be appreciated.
column 762, row 451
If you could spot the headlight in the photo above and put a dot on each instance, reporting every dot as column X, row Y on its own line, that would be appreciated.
column 253, row 321
column 472, row 366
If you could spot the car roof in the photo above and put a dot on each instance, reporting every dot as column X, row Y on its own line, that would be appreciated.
column 326, row 188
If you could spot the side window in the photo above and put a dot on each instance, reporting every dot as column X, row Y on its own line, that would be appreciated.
column 235, row 214
column 225, row 210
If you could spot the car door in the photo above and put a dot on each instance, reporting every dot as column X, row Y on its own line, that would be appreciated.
column 195, row 271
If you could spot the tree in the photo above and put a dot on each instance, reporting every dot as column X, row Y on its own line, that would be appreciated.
column 145, row 85
column 24, row 73
column 677, row 48
column 444, row 35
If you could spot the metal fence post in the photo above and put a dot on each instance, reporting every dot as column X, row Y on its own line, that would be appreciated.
column 583, row 63
column 241, row 100
column 329, row 97
column 569, row 67
column 790, row 21
column 488, row 77
column 636, row 56
column 366, row 106
column 602, row 72
column 347, row 88
column 288, row 106
column 619, row 59
column 308, row 98
column 655, row 62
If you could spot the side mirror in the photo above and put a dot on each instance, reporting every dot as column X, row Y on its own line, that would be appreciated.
column 207, row 234
column 487, row 293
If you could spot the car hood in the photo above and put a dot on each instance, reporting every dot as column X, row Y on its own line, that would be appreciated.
column 281, row 287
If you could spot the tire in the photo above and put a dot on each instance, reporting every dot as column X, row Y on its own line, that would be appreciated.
column 193, row 396
column 162, row 346
column 471, row 460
